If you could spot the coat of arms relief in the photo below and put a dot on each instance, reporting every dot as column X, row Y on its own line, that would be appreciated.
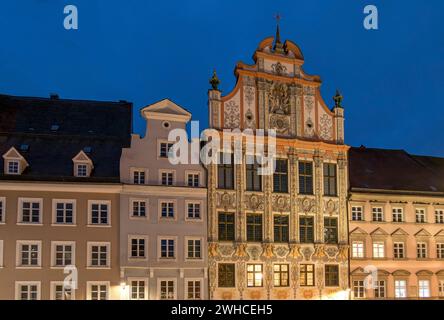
column 279, row 107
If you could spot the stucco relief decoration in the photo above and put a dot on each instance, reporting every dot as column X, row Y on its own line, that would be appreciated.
column 254, row 252
column 281, row 251
column 307, row 205
column 226, row 200
column 309, row 102
column 249, row 94
column 343, row 253
column 231, row 115
column 226, row 250
column 279, row 98
column 331, row 252
column 241, row 252
column 280, row 123
column 331, row 206
column 212, row 249
column 279, row 69
column 325, row 127
column 307, row 252
column 267, row 251
column 254, row 202
column 295, row 252
column 281, row 203
column 320, row 253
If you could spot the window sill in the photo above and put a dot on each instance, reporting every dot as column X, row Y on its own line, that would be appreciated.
column 60, row 267
column 193, row 220
column 29, row 224
column 29, row 267
column 98, row 225
column 98, row 268
column 63, row 225
column 137, row 259
column 139, row 218
column 194, row 259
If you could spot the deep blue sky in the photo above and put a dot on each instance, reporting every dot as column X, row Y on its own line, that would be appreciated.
column 143, row 51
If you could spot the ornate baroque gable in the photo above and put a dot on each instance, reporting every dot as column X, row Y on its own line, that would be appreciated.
column 275, row 93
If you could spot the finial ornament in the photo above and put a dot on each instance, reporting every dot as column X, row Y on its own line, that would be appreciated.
column 278, row 46
column 214, row 81
column 338, row 99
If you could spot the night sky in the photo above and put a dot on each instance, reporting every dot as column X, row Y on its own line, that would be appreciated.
column 143, row 51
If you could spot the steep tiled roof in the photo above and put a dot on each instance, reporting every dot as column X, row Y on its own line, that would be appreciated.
column 383, row 169
column 57, row 129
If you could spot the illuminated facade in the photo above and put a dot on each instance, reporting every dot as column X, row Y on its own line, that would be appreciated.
column 284, row 235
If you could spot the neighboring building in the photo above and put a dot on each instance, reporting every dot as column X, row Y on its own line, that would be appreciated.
column 396, row 213
column 163, row 219
column 59, row 196
column 280, row 236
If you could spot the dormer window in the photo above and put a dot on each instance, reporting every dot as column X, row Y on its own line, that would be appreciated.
column 13, row 167
column 83, row 165
column 14, row 162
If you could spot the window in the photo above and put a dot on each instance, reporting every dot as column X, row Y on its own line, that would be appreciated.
column 30, row 211
column 307, row 275
column 13, row 167
column 81, row 170
column 167, row 289
column 441, row 288
column 167, row 209
column 254, row 275
column 280, row 176
column 400, row 289
column 165, row 148
column 60, row 292
column 2, row 210
column 439, row 216
column 225, row 171
column 193, row 179
column 99, row 254
column 138, row 247
column 330, row 179
column 254, row 227
column 62, row 253
column 99, row 213
column 139, row 177
column 64, row 212
column 379, row 289
column 424, row 288
column 398, row 250
column 194, row 249
column 29, row 253
column 397, row 214
column 167, row 178
column 1, row 253
column 378, row 250
column 421, row 250
column 281, row 227
column 358, row 289
column 28, row 290
column 226, row 226
column 331, row 275
column 440, row 250
column 138, row 289
column 357, row 213
column 305, row 177
column 138, row 208
column 306, row 233
column 280, row 275
column 226, row 276
column 194, row 289
column 98, row 290
column 420, row 215
column 167, row 248
column 358, row 249
column 378, row 215
column 193, row 211
column 331, row 230
column 254, row 180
